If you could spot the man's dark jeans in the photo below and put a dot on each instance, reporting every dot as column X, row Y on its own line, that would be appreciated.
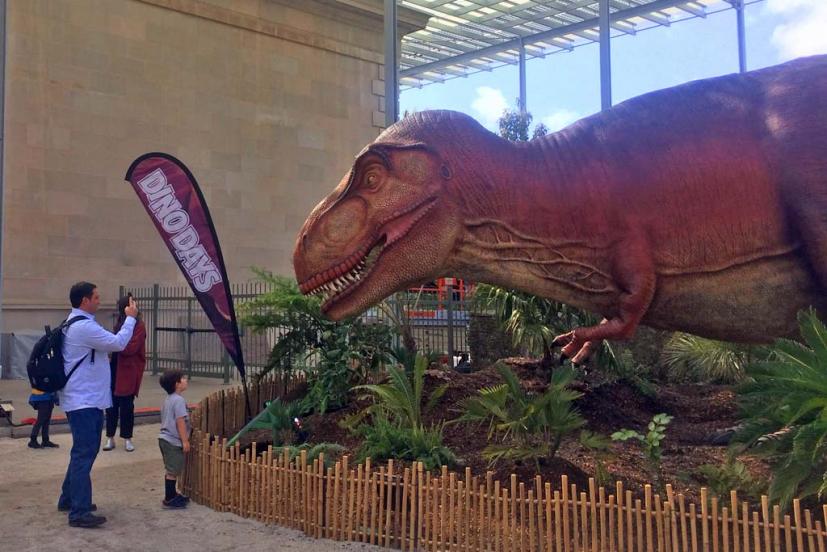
column 86, row 425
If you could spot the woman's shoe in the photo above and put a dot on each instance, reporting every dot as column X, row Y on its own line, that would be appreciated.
column 128, row 445
column 110, row 444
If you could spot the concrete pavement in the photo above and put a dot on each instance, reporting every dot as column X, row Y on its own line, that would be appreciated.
column 151, row 396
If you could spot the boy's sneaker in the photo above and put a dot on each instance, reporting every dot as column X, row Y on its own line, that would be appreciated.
column 110, row 444
column 175, row 503
column 128, row 446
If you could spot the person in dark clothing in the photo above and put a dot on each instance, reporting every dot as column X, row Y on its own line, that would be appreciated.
column 43, row 403
column 127, row 369
column 463, row 366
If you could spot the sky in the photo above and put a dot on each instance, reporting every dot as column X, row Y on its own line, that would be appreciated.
column 565, row 87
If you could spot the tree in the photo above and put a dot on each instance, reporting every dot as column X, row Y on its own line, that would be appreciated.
column 515, row 123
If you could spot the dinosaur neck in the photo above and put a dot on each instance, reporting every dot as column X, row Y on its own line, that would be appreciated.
column 524, row 219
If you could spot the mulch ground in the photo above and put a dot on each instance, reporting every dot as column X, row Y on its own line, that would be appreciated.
column 699, row 411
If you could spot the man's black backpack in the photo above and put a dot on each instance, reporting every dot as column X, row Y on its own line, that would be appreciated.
column 45, row 366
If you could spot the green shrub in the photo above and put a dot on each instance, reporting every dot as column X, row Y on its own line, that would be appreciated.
column 384, row 440
column 655, row 434
column 331, row 451
column 687, row 356
column 732, row 475
column 395, row 428
column 529, row 427
column 600, row 446
column 345, row 352
column 784, row 404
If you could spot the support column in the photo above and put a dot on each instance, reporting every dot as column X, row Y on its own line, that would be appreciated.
column 391, row 68
column 605, row 57
column 742, row 40
column 523, row 105
column 2, row 143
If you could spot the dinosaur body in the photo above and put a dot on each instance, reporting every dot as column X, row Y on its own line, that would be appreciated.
column 700, row 208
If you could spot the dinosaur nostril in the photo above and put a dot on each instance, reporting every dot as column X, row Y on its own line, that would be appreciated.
column 304, row 243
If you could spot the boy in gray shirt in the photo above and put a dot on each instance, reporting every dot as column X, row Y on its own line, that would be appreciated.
column 174, row 437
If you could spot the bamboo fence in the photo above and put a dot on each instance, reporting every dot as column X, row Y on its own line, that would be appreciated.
column 408, row 508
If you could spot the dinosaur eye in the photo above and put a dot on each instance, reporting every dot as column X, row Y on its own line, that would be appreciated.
column 445, row 170
column 372, row 181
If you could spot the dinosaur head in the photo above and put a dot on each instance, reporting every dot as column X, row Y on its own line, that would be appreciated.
column 388, row 225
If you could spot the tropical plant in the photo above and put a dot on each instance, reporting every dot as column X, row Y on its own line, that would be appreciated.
column 600, row 446
column 331, row 451
column 278, row 417
column 401, row 398
column 731, row 475
column 529, row 426
column 396, row 428
column 384, row 439
column 534, row 321
column 688, row 356
column 784, row 403
column 345, row 352
column 651, row 441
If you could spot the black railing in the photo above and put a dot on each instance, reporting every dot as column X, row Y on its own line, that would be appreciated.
column 182, row 337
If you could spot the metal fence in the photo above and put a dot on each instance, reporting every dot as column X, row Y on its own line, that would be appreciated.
column 182, row 337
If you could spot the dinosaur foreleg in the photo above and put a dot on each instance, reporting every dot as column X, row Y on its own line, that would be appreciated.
column 635, row 273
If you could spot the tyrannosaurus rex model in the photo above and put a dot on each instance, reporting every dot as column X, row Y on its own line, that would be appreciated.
column 700, row 208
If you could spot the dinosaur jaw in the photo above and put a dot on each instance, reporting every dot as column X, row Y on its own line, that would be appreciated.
column 342, row 280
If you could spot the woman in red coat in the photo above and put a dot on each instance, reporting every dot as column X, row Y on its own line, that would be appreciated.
column 127, row 372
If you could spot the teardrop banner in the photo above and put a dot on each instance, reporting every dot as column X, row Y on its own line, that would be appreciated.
column 172, row 199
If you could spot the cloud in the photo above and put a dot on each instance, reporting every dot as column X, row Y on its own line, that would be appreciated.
column 489, row 105
column 801, row 31
column 559, row 119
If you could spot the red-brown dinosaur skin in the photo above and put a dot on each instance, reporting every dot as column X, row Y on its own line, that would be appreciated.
column 700, row 208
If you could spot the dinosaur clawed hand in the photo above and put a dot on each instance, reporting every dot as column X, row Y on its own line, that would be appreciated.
column 576, row 348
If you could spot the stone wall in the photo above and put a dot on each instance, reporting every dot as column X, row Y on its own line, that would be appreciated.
column 266, row 101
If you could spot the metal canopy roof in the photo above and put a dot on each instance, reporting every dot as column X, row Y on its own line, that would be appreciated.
column 467, row 36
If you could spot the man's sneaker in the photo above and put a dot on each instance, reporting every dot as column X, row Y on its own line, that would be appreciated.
column 175, row 503
column 129, row 446
column 94, row 508
column 88, row 521
column 34, row 444
column 110, row 444
column 49, row 444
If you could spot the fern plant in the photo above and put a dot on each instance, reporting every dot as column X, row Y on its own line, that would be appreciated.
column 395, row 428
column 785, row 407
column 331, row 451
column 346, row 351
column 529, row 427
column 698, row 358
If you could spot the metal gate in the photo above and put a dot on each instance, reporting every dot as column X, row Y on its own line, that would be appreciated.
column 182, row 337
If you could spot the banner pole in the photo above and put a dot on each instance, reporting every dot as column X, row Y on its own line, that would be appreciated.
column 249, row 416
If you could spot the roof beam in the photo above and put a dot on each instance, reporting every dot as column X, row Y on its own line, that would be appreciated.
column 557, row 32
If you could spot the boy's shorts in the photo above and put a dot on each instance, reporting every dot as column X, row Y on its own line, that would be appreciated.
column 173, row 457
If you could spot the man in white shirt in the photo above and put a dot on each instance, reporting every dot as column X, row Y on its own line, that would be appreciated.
column 86, row 395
